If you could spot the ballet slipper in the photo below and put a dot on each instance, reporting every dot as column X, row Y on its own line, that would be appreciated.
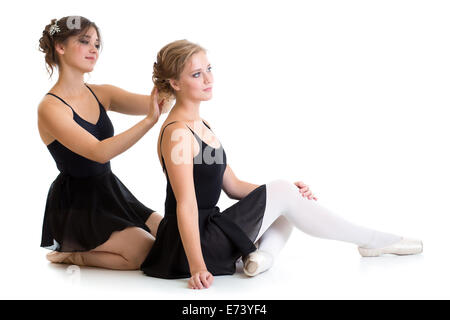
column 403, row 247
column 257, row 262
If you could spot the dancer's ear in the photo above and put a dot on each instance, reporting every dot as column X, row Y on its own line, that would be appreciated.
column 59, row 47
column 175, row 84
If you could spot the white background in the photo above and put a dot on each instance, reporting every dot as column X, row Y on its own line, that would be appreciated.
column 350, row 97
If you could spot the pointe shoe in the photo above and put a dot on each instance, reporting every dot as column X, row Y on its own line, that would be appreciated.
column 57, row 257
column 257, row 262
column 403, row 247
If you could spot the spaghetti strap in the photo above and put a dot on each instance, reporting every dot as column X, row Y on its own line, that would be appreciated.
column 160, row 141
column 61, row 100
column 93, row 93
column 206, row 125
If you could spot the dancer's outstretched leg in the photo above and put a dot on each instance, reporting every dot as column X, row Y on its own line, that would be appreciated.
column 283, row 199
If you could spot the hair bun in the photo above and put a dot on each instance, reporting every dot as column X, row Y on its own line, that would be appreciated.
column 165, row 90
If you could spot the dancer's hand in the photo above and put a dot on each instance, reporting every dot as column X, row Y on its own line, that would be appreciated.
column 200, row 279
column 155, row 106
column 304, row 190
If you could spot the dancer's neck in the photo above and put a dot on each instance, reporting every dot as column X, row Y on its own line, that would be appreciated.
column 187, row 110
column 70, row 83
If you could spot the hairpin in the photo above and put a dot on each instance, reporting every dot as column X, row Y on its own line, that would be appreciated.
column 54, row 28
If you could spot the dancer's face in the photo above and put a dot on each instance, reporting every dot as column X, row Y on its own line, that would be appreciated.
column 196, row 81
column 81, row 51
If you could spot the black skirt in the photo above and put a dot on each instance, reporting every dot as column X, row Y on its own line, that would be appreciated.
column 225, row 237
column 81, row 213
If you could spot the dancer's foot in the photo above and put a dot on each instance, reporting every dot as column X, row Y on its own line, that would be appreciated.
column 403, row 247
column 257, row 262
column 58, row 257
column 66, row 257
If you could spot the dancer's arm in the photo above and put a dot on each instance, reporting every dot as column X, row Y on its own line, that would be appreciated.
column 179, row 167
column 122, row 101
column 235, row 188
column 59, row 123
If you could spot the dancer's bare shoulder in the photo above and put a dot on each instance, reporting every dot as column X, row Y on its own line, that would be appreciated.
column 174, row 134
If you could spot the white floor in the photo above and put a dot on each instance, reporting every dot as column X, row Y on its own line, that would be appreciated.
column 308, row 268
column 350, row 97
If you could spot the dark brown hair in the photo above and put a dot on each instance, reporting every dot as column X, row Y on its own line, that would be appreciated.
column 68, row 26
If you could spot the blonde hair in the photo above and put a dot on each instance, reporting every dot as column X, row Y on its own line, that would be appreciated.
column 170, row 62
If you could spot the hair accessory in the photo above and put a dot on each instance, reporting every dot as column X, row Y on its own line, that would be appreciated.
column 54, row 28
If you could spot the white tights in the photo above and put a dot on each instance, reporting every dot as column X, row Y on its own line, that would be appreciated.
column 287, row 208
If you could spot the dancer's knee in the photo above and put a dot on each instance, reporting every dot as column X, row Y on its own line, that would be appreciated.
column 283, row 186
column 285, row 193
column 139, row 247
